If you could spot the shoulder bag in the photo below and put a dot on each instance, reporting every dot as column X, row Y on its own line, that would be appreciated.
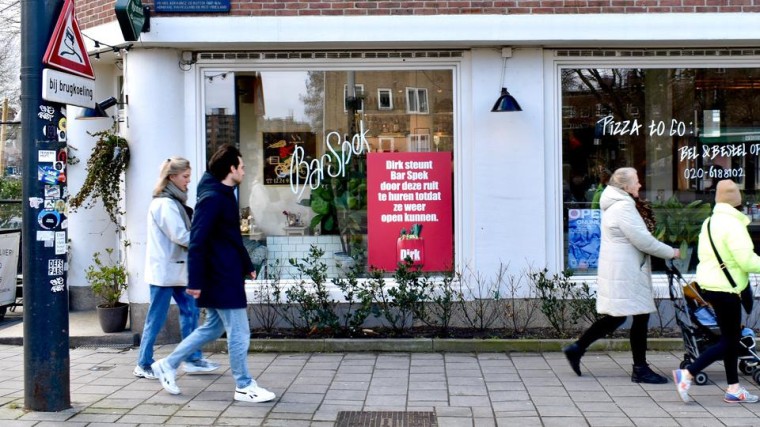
column 747, row 297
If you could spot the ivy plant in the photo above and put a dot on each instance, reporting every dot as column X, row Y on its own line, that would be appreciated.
column 107, row 163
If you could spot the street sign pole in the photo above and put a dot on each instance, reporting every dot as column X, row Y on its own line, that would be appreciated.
column 46, row 321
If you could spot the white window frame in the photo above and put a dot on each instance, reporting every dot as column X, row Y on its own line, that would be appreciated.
column 417, row 101
column 380, row 92
column 359, row 88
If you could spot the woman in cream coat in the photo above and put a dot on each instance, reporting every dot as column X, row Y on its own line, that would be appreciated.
column 624, row 276
column 168, row 236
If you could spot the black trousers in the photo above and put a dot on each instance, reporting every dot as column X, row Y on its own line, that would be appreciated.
column 728, row 311
column 607, row 324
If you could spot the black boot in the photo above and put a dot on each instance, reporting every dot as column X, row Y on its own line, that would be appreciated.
column 574, row 353
column 643, row 374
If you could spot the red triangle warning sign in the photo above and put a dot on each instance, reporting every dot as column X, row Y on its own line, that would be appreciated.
column 66, row 49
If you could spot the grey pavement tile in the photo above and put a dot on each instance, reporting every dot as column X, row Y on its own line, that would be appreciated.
column 386, row 400
column 389, row 381
column 661, row 422
column 206, row 405
column 547, row 391
column 345, row 395
column 520, row 405
column 558, row 411
column 242, row 421
column 649, row 412
column 321, row 424
column 701, row 422
column 553, row 400
column 389, row 373
column 182, row 421
column 111, row 402
column 95, row 418
column 296, row 408
column 564, row 421
column 504, row 385
column 114, row 411
column 427, row 385
column 454, row 371
column 508, row 396
column 470, row 401
column 145, row 419
column 57, row 424
column 468, row 390
column 482, row 411
column 607, row 421
column 595, row 408
column 286, row 423
column 625, row 390
column 748, row 421
column 290, row 416
column 591, row 396
column 465, row 381
column 311, row 388
column 292, row 397
column 427, row 369
column 48, row 416
column 348, row 377
column 427, row 377
column 242, row 409
column 452, row 411
column 355, row 369
column 393, row 390
column 484, row 422
column 512, row 421
column 344, row 385
column 454, row 422
column 426, row 395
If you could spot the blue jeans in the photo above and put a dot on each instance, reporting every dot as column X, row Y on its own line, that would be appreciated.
column 234, row 321
column 160, row 297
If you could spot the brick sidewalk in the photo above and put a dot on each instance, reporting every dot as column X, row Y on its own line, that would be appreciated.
column 318, row 389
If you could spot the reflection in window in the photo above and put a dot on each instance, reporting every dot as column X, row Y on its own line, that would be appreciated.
column 273, row 115
column 416, row 100
column 683, row 130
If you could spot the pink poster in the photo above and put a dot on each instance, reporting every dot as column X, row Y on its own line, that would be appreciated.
column 409, row 211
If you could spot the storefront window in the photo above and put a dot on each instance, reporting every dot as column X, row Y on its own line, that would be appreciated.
column 364, row 174
column 683, row 129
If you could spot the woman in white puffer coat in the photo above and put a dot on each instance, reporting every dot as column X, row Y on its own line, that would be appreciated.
column 625, row 275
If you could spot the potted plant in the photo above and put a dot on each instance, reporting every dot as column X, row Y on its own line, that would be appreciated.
column 679, row 225
column 108, row 279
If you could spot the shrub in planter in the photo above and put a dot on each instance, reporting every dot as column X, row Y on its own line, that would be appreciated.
column 108, row 279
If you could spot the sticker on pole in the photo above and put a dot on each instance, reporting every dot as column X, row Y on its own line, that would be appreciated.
column 66, row 50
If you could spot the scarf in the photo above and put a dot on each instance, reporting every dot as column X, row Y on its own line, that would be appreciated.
column 171, row 191
column 647, row 214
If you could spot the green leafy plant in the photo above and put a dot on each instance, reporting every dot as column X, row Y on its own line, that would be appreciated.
column 107, row 277
column 679, row 224
column 316, row 308
column 108, row 161
column 563, row 303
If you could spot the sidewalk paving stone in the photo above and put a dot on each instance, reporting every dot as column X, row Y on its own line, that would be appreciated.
column 461, row 389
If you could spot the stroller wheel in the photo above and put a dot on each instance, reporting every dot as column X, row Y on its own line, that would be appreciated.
column 701, row 378
column 756, row 376
column 684, row 364
column 746, row 368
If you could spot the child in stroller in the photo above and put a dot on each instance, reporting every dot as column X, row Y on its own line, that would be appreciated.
column 699, row 327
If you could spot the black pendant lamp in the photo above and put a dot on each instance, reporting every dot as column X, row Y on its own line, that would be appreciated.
column 506, row 102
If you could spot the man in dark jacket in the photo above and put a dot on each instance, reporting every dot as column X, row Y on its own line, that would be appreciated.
column 217, row 265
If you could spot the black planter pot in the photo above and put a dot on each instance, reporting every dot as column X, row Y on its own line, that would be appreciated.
column 113, row 319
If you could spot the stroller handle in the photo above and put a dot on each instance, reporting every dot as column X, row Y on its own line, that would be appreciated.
column 671, row 270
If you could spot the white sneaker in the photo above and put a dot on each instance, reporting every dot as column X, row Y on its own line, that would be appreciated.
column 199, row 366
column 253, row 394
column 166, row 375
column 141, row 372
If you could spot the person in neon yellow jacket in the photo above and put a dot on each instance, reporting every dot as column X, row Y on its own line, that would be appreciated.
column 728, row 226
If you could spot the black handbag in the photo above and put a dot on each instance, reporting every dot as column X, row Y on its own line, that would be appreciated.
column 747, row 297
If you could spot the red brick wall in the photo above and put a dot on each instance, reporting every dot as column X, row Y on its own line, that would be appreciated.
column 95, row 12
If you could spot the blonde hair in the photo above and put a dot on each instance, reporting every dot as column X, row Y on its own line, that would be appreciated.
column 622, row 178
column 169, row 167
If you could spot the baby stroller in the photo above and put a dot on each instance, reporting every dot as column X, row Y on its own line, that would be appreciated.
column 699, row 327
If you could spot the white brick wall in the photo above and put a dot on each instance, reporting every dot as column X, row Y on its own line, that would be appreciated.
column 283, row 248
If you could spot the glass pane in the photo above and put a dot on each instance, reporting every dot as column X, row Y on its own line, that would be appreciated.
column 306, row 147
column 683, row 129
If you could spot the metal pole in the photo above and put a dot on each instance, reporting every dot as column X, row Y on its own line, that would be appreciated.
column 46, row 302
